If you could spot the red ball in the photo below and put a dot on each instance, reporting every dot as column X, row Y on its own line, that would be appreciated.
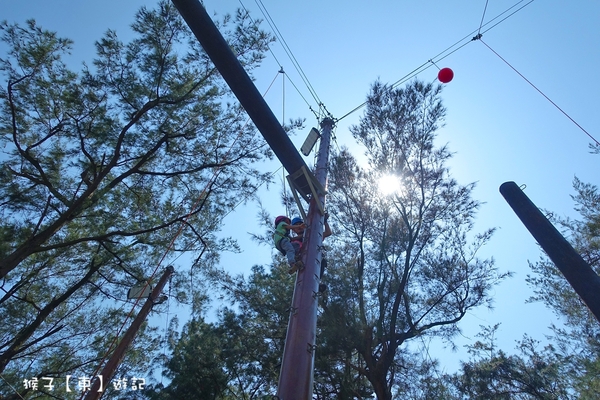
column 445, row 75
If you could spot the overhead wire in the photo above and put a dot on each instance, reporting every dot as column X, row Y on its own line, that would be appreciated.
column 508, row 16
column 448, row 51
column 479, row 37
column 288, row 50
column 321, row 106
column 483, row 16
column 281, row 66
column 303, row 98
column 540, row 92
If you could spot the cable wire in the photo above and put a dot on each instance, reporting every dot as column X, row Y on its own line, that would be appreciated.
column 12, row 387
column 445, row 53
column 540, row 92
column 281, row 66
column 288, row 51
column 482, row 17
column 303, row 98
column 508, row 16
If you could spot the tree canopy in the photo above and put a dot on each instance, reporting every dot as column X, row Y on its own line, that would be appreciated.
column 106, row 172
column 110, row 171
column 408, row 258
column 400, row 266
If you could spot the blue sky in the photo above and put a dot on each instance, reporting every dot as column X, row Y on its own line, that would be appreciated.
column 499, row 127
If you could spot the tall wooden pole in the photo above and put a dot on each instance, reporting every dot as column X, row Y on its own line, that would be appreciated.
column 113, row 362
column 296, row 378
column 577, row 272
column 241, row 85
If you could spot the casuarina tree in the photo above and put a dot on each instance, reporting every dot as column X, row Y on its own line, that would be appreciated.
column 577, row 339
column 404, row 264
column 105, row 171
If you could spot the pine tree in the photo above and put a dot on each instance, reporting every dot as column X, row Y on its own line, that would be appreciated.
column 577, row 342
column 104, row 172
column 405, row 264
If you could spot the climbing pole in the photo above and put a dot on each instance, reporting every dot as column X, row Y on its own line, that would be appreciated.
column 296, row 378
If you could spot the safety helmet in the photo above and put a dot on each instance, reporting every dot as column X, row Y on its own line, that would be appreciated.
column 297, row 220
column 282, row 218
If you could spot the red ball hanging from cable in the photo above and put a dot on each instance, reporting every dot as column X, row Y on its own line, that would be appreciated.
column 445, row 75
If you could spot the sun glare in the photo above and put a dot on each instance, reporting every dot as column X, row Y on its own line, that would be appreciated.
column 389, row 184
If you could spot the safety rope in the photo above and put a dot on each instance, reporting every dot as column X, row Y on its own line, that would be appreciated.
column 283, row 124
column 167, row 324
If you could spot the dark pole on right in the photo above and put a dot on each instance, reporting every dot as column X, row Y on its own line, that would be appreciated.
column 577, row 272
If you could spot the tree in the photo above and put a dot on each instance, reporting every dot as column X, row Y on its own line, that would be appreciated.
column 492, row 374
column 238, row 356
column 196, row 366
column 107, row 171
column 577, row 342
column 408, row 259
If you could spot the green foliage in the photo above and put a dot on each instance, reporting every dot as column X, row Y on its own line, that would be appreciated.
column 258, row 325
column 577, row 342
column 239, row 355
column 492, row 374
column 105, row 172
column 403, row 264
column 195, row 368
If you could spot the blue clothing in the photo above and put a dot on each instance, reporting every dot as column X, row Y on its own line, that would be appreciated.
column 290, row 249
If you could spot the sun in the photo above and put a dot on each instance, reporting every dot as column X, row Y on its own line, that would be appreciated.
column 389, row 184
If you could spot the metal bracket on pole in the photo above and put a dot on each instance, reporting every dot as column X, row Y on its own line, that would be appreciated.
column 317, row 295
column 316, row 189
column 293, row 310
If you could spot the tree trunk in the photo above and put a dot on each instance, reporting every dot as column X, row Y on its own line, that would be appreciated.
column 380, row 386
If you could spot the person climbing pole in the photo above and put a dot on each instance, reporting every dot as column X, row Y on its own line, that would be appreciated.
column 281, row 238
column 299, row 239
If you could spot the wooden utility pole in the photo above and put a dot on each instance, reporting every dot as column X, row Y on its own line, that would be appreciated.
column 296, row 379
column 113, row 362
column 240, row 83
column 577, row 272
column 297, row 366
